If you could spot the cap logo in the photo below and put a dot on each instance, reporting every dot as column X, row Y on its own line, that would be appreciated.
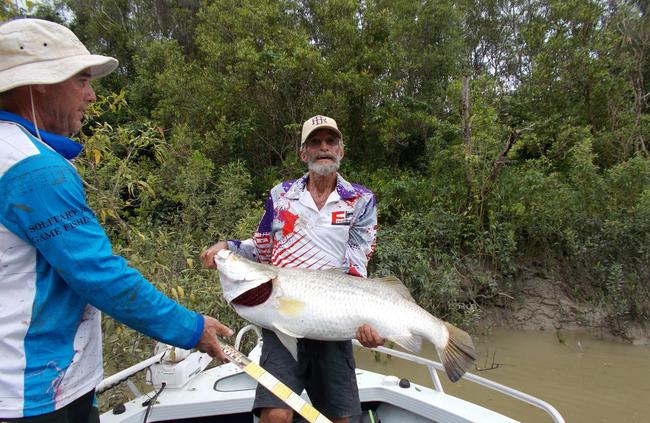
column 318, row 120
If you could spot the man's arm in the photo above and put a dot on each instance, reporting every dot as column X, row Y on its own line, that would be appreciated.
column 361, row 246
column 363, row 237
column 46, row 207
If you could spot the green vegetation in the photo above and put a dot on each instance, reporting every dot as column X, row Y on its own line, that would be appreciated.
column 498, row 135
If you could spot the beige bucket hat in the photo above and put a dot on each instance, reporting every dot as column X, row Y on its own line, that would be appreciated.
column 318, row 122
column 35, row 51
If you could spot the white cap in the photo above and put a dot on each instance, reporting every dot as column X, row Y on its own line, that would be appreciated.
column 35, row 51
column 318, row 122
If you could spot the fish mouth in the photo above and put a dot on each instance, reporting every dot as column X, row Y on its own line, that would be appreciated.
column 224, row 254
column 242, row 270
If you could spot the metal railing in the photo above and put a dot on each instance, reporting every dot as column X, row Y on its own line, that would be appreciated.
column 122, row 376
column 506, row 390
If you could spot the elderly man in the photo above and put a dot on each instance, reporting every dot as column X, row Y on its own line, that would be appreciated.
column 57, row 269
column 319, row 221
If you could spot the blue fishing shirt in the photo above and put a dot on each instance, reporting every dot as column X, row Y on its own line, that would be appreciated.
column 57, row 271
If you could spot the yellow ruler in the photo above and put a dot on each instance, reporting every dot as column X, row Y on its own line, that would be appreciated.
column 271, row 383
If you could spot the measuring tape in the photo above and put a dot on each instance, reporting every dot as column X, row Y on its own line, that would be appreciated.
column 271, row 383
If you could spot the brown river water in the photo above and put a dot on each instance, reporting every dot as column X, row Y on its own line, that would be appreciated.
column 587, row 380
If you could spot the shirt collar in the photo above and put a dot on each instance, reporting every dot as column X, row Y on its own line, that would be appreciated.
column 345, row 189
column 62, row 145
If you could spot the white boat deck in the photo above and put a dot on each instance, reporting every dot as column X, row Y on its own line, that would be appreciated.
column 227, row 392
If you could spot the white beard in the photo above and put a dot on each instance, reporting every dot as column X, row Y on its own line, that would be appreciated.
column 324, row 169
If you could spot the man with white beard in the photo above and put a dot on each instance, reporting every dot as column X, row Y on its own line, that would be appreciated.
column 320, row 221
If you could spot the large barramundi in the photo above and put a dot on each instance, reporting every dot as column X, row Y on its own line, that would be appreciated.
column 331, row 305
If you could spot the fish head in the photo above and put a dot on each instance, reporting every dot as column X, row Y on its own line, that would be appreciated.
column 237, row 274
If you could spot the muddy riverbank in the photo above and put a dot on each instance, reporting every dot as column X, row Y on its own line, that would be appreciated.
column 544, row 303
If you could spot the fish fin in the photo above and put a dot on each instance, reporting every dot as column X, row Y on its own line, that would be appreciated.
column 410, row 342
column 286, row 331
column 458, row 354
column 397, row 286
column 290, row 307
column 288, row 339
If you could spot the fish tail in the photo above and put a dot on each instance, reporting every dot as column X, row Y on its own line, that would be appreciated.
column 458, row 354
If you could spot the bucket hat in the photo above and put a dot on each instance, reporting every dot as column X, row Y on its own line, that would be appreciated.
column 318, row 122
column 35, row 51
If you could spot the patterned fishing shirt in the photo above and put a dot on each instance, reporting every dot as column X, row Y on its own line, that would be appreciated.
column 293, row 232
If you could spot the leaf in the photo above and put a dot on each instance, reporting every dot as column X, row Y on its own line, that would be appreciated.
column 97, row 156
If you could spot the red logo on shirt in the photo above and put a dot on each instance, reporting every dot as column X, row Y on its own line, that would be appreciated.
column 341, row 217
column 289, row 220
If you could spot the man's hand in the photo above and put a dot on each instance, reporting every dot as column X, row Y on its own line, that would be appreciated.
column 368, row 337
column 208, row 342
column 207, row 257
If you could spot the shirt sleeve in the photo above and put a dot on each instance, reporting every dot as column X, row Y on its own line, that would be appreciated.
column 363, row 237
column 46, row 206
column 260, row 247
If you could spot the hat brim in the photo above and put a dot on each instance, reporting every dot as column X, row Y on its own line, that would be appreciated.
column 55, row 71
column 322, row 126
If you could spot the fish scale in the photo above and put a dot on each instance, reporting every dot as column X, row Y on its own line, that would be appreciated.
column 343, row 313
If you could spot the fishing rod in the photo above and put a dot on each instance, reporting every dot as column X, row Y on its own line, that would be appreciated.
column 271, row 383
